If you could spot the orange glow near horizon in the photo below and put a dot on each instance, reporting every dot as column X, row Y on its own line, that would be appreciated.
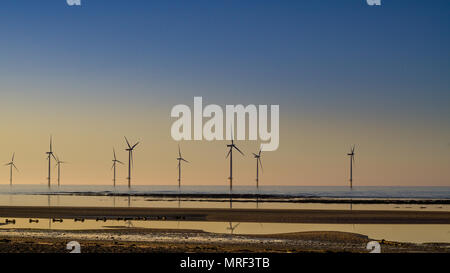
column 312, row 151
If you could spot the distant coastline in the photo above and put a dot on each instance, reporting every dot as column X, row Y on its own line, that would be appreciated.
column 253, row 198
column 267, row 194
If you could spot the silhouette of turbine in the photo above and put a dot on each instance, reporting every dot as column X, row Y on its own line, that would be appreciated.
column 352, row 161
column 258, row 163
column 49, row 158
column 114, row 167
column 130, row 159
column 230, row 154
column 11, row 165
column 180, row 158
column 58, row 164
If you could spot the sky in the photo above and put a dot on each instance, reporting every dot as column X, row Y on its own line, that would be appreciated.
column 343, row 73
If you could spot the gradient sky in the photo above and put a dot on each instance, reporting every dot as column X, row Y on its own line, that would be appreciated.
column 342, row 72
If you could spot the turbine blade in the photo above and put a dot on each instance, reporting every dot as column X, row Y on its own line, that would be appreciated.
column 12, row 159
column 135, row 145
column 179, row 151
column 54, row 157
column 259, row 152
column 114, row 152
column 184, row 160
column 15, row 167
column 120, row 162
column 259, row 159
column 238, row 149
column 255, row 154
column 114, row 163
column 228, row 153
column 128, row 143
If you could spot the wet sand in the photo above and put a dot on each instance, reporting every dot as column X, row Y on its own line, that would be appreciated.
column 232, row 215
column 189, row 241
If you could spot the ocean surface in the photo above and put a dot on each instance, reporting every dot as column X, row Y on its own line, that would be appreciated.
column 281, row 191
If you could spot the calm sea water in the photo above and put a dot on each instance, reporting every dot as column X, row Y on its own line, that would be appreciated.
column 294, row 191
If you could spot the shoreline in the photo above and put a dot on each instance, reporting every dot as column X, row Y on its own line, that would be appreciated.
column 232, row 215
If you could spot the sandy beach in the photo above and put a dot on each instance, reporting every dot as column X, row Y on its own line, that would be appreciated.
column 232, row 215
column 191, row 241
column 122, row 239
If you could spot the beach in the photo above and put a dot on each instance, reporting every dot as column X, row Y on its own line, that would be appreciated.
column 109, row 237
column 191, row 241
column 290, row 220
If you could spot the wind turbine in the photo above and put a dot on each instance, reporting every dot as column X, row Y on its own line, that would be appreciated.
column 180, row 158
column 114, row 166
column 130, row 159
column 49, row 158
column 258, row 160
column 230, row 154
column 58, row 164
column 11, row 165
column 352, row 161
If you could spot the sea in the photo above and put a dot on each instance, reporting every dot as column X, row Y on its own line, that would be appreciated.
column 375, row 192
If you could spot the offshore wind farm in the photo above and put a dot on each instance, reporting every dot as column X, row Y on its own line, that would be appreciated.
column 225, row 126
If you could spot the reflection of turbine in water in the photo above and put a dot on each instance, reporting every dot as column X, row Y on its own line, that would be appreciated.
column 130, row 159
column 352, row 161
column 11, row 165
column 231, row 228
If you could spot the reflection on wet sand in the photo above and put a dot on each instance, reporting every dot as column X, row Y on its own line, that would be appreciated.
column 231, row 228
column 401, row 233
column 180, row 202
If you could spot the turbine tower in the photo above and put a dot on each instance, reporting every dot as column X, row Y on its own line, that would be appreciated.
column 58, row 164
column 352, row 161
column 130, row 159
column 49, row 158
column 230, row 154
column 114, row 166
column 180, row 158
column 258, row 161
column 11, row 165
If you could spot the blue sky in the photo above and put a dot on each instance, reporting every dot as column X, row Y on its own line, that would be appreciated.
column 324, row 61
